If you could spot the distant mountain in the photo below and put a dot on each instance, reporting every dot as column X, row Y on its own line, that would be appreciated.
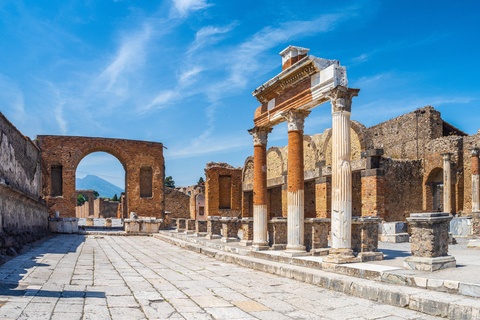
column 103, row 187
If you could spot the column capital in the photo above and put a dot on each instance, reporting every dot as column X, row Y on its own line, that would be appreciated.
column 341, row 98
column 260, row 135
column 475, row 151
column 295, row 119
column 447, row 156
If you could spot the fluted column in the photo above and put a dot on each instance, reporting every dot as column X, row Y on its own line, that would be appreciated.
column 475, row 179
column 447, row 182
column 295, row 194
column 341, row 236
column 260, row 241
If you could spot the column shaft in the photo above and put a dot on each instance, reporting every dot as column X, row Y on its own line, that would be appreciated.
column 295, row 194
column 341, row 181
column 447, row 183
column 260, row 196
column 475, row 181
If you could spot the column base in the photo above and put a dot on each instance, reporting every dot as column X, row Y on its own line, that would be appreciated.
column 339, row 256
column 292, row 254
column 295, row 250
column 188, row 232
column 226, row 239
column 259, row 247
column 246, row 243
column 199, row 234
column 213, row 236
column 370, row 256
column 473, row 244
column 429, row 264
column 320, row 252
column 278, row 247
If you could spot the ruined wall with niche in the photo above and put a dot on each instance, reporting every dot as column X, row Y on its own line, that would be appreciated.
column 23, row 214
column 221, row 176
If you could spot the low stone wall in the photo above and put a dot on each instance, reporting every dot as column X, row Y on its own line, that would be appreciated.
column 177, row 203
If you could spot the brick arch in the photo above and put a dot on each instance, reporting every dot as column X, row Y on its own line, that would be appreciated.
column 246, row 169
column 111, row 149
column 274, row 152
column 365, row 142
column 66, row 152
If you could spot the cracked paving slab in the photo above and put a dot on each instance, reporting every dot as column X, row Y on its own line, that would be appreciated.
column 108, row 277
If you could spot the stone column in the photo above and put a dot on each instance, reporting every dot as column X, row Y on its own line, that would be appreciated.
column 260, row 134
column 475, row 180
column 295, row 194
column 475, row 243
column 341, row 251
column 447, row 183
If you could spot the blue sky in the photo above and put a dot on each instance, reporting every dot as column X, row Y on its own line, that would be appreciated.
column 181, row 72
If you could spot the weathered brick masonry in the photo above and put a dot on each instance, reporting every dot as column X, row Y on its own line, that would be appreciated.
column 142, row 160
column 224, row 179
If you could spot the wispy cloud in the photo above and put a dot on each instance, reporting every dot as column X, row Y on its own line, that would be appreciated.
column 210, row 35
column 184, row 7
column 128, row 59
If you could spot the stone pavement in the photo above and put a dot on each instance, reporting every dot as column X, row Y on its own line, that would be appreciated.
column 107, row 277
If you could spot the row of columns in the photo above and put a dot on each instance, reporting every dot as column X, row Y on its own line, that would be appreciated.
column 341, row 99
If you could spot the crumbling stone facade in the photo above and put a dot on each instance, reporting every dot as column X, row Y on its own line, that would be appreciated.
column 23, row 213
column 142, row 160
column 399, row 181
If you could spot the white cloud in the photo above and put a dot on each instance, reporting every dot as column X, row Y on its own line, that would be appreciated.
column 184, row 7
column 210, row 35
column 128, row 59
column 187, row 76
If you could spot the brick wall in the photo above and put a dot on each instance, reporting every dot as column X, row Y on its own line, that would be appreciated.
column 213, row 203
column 178, row 203
column 68, row 151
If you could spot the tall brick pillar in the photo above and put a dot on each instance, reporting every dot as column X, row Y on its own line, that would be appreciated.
column 260, row 241
column 341, row 249
column 295, row 193
column 373, row 185
column 447, row 182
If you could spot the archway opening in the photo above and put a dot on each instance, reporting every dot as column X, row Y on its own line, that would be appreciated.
column 434, row 190
column 100, row 190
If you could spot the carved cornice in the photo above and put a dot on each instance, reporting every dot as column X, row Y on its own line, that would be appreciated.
column 295, row 119
column 260, row 135
column 341, row 98
column 289, row 80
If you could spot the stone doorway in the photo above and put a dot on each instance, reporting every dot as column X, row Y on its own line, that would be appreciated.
column 437, row 197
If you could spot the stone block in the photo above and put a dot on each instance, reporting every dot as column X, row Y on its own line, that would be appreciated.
column 63, row 225
column 214, row 227
column 181, row 224
column 429, row 242
column 108, row 222
column 277, row 233
column 200, row 228
column 395, row 232
column 429, row 264
column 461, row 226
column 247, row 231
column 365, row 236
column 229, row 229
column 149, row 225
column 189, row 226
column 316, row 233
